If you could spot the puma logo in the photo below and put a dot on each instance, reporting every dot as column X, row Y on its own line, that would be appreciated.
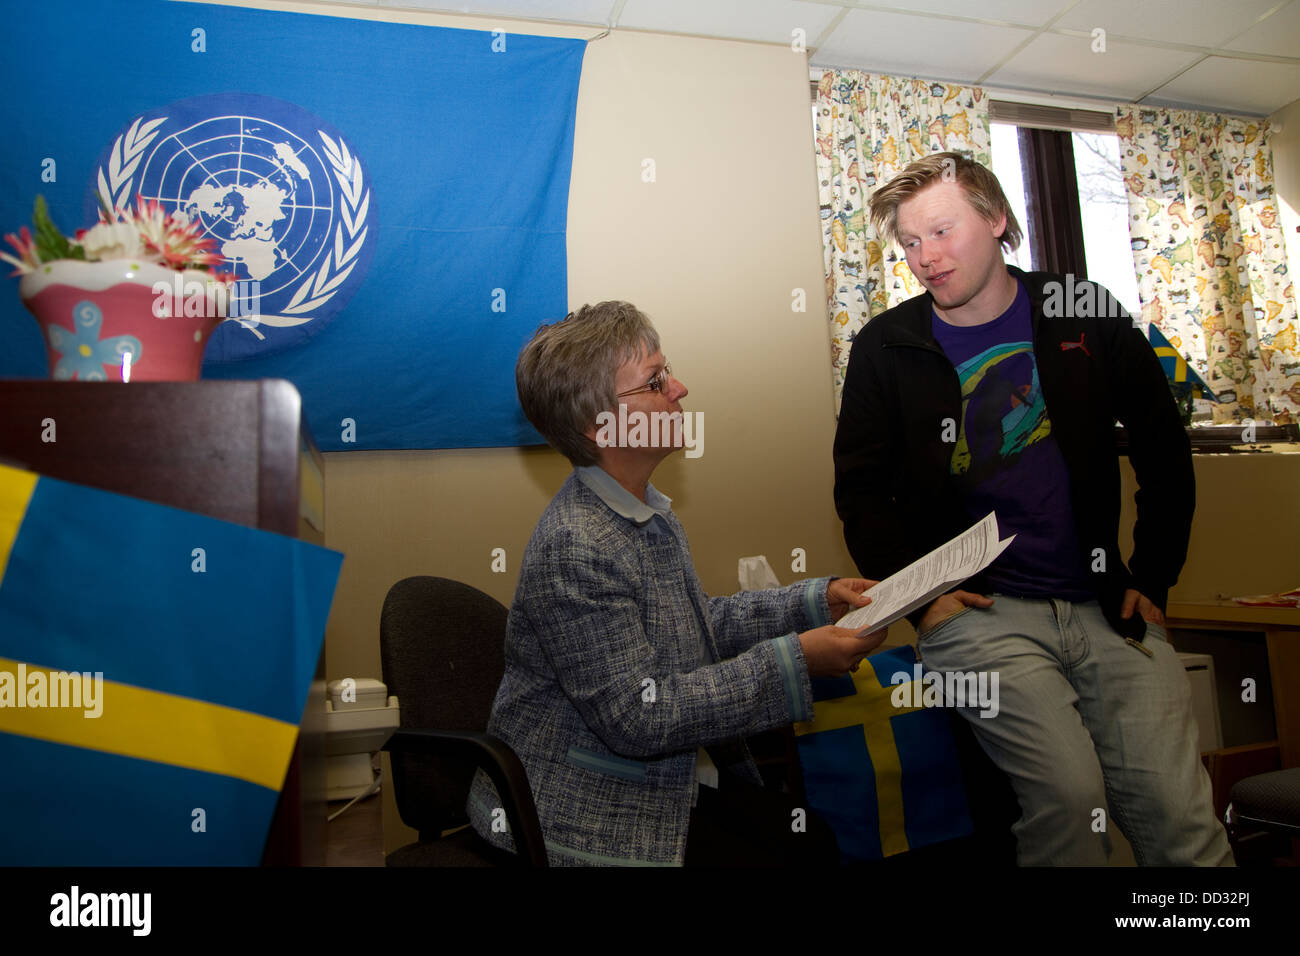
column 1066, row 346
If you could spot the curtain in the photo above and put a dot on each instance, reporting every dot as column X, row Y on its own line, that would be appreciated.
column 868, row 128
column 1210, row 257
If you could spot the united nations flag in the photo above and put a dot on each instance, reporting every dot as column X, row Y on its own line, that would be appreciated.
column 392, row 198
column 287, row 202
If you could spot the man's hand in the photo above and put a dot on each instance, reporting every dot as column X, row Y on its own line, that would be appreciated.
column 946, row 605
column 831, row 651
column 1149, row 612
column 845, row 595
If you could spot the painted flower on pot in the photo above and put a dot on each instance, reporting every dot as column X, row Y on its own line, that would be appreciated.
column 83, row 354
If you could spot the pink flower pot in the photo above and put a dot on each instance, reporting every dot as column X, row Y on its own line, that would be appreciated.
column 122, row 320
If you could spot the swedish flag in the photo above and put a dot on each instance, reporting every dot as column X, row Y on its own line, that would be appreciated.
column 1181, row 375
column 154, row 665
column 885, row 778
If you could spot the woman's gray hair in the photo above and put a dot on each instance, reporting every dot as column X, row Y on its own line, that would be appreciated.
column 565, row 374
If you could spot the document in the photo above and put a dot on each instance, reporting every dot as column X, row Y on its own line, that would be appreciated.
column 926, row 578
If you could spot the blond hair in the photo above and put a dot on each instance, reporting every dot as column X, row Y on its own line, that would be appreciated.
column 981, row 187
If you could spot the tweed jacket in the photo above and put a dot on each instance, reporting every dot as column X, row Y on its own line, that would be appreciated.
column 619, row 667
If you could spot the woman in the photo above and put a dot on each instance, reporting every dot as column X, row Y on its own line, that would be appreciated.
column 627, row 691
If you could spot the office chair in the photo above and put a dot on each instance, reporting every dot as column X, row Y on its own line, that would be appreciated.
column 1265, row 804
column 442, row 648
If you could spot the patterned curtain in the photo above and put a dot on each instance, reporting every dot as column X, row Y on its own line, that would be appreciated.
column 1210, row 255
column 868, row 128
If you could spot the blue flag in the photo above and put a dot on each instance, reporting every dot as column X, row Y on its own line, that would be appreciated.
column 154, row 665
column 1181, row 375
column 878, row 767
column 392, row 198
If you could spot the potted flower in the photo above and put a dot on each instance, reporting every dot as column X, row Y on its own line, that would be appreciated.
column 133, row 297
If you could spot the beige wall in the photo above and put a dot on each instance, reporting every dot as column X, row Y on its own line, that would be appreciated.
column 1247, row 525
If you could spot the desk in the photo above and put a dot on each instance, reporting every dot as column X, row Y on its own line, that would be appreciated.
column 1281, row 629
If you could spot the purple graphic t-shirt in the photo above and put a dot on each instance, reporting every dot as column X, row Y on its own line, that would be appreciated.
column 1006, row 459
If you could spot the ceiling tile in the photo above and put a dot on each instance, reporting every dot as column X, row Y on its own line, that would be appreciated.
column 1032, row 13
column 1060, row 64
column 567, row 11
column 1278, row 35
column 1240, row 86
column 917, row 46
column 767, row 20
column 892, row 38
column 1198, row 22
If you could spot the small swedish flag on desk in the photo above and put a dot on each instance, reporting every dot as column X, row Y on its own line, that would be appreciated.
column 1181, row 376
column 154, row 665
column 885, row 778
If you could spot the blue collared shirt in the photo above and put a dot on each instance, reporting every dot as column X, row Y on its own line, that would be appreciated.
column 622, row 501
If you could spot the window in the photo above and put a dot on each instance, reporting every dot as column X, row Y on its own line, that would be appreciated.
column 1032, row 170
column 1005, row 150
column 1104, row 203
column 1099, row 212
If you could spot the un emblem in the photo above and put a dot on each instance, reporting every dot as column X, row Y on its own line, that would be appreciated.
column 281, row 192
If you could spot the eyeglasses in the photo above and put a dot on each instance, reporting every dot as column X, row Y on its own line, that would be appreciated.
column 655, row 384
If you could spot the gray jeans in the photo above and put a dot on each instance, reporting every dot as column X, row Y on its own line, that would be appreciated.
column 1087, row 728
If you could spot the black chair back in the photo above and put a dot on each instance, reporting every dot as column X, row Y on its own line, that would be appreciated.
column 442, row 649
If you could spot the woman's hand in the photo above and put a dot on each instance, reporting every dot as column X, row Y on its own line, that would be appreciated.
column 831, row 651
column 845, row 595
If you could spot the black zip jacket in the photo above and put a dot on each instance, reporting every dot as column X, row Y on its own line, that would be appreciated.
column 893, row 487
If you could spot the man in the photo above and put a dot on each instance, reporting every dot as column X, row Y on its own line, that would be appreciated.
column 993, row 391
column 627, row 692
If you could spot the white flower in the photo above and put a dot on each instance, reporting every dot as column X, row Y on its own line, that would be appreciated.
column 112, row 240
